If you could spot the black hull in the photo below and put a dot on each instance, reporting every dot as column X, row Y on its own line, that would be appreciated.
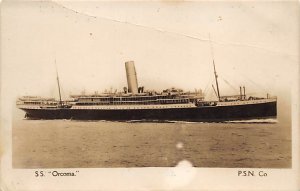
column 214, row 113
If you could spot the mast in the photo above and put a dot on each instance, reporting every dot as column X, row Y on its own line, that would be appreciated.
column 215, row 72
column 216, row 77
column 57, row 78
column 214, row 90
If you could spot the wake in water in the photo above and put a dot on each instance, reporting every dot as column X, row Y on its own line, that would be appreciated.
column 250, row 121
column 269, row 121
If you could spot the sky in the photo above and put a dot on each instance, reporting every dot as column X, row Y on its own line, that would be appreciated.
column 253, row 44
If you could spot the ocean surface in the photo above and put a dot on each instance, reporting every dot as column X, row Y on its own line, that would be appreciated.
column 101, row 144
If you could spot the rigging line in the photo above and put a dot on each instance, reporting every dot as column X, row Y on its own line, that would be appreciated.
column 205, row 89
column 211, row 94
column 232, row 80
column 211, row 47
column 254, row 84
column 208, row 85
column 229, row 84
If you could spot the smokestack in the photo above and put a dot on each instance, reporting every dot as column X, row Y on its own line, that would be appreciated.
column 131, row 77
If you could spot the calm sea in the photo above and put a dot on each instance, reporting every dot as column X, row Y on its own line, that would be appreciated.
column 78, row 144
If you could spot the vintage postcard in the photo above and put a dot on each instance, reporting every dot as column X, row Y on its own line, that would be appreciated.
column 149, row 95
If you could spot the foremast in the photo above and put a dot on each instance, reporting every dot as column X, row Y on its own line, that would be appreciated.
column 57, row 78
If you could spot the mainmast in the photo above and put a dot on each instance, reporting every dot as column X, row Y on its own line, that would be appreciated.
column 57, row 78
column 215, row 72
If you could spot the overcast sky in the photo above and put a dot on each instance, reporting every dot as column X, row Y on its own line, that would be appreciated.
column 254, row 44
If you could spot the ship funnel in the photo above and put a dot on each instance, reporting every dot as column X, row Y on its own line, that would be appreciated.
column 131, row 77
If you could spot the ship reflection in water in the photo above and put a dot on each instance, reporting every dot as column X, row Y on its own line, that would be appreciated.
column 135, row 103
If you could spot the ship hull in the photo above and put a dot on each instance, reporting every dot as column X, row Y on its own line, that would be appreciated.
column 211, row 113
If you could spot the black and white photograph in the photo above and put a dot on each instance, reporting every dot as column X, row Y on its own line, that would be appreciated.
column 138, row 86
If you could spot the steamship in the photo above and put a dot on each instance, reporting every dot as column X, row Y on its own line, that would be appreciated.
column 135, row 103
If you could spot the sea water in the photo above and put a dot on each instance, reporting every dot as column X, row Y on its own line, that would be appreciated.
column 98, row 144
